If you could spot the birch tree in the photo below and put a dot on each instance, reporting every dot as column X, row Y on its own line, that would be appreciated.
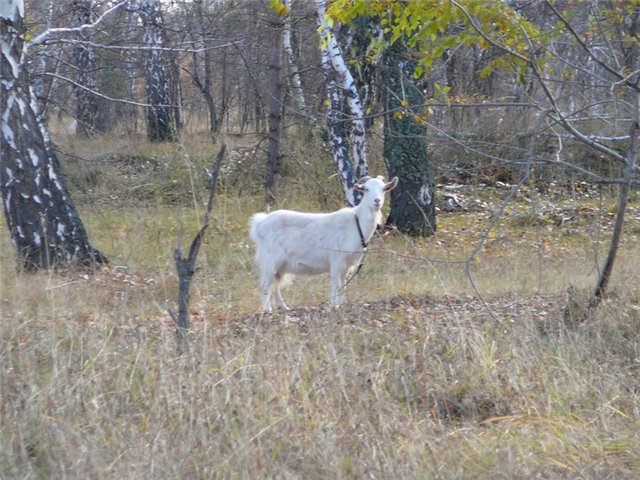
column 85, row 64
column 39, row 90
column 161, row 121
column 43, row 222
column 300, row 103
column 346, row 128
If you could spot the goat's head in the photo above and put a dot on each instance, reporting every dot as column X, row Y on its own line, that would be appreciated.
column 374, row 190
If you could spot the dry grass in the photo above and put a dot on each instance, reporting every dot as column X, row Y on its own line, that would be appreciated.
column 416, row 377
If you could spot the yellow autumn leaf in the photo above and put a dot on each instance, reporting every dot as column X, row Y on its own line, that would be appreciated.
column 278, row 7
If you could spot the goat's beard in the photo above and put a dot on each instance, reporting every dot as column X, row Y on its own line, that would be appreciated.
column 378, row 214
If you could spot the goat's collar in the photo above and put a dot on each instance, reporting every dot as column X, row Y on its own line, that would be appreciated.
column 363, row 242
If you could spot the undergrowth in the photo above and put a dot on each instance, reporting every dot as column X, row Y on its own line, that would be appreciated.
column 435, row 368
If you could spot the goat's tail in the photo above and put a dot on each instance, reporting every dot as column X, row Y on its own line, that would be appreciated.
column 254, row 223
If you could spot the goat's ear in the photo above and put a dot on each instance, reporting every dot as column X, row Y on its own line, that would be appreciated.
column 391, row 185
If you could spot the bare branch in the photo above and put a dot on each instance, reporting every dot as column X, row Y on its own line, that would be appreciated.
column 143, row 48
column 560, row 117
column 583, row 171
column 599, row 138
column 101, row 95
column 46, row 35
column 589, row 51
column 474, row 23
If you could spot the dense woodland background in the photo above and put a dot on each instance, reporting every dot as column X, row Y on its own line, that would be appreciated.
column 219, row 56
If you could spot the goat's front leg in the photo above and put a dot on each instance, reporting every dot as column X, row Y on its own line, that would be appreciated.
column 337, row 274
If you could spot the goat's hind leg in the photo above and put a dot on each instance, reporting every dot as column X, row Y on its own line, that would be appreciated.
column 266, row 285
column 278, row 295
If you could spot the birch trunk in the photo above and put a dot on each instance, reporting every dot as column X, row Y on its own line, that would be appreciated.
column 161, row 124
column 300, row 103
column 43, row 222
column 346, row 129
column 85, row 63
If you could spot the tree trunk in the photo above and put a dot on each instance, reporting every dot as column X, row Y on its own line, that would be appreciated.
column 405, row 146
column 346, row 132
column 161, row 123
column 43, row 222
column 356, row 38
column 206, row 84
column 631, row 62
column 84, row 57
column 299, row 103
column 40, row 88
column 275, row 105
column 623, row 199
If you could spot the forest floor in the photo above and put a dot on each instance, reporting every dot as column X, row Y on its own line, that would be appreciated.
column 438, row 366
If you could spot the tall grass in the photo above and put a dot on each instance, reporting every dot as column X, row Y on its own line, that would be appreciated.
column 92, row 386
column 419, row 376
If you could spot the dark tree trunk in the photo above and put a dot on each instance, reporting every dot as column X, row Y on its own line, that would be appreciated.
column 43, row 222
column 84, row 57
column 161, row 123
column 405, row 146
column 275, row 105
column 206, row 84
column 632, row 61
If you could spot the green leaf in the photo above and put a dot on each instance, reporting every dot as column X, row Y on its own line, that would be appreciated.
column 486, row 71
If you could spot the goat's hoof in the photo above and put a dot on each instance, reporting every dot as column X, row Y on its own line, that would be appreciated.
column 283, row 307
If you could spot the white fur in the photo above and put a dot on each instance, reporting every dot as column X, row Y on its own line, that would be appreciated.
column 295, row 243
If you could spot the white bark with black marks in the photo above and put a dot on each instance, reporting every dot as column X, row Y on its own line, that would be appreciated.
column 85, row 63
column 296, row 82
column 349, row 154
column 161, row 124
column 43, row 223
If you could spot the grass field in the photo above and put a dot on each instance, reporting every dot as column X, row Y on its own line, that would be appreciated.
column 420, row 375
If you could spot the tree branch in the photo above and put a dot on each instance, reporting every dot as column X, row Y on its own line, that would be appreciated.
column 187, row 266
column 143, row 48
column 46, row 35
column 101, row 95
column 559, row 116
column 589, row 51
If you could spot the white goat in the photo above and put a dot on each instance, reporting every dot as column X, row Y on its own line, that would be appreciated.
column 289, row 242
